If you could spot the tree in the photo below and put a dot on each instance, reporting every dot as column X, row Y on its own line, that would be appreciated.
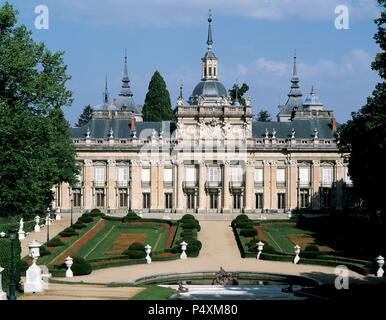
column 240, row 92
column 36, row 150
column 362, row 139
column 157, row 106
column 264, row 116
column 85, row 116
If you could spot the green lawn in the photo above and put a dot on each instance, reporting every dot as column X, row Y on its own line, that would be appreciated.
column 154, row 293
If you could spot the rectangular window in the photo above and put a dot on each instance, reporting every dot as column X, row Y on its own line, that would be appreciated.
column 236, row 174
column 304, row 176
column 145, row 175
column 327, row 176
column 304, row 198
column 168, row 200
column 210, row 71
column 214, row 71
column 100, row 198
column 146, row 200
column 259, row 176
column 190, row 201
column 236, row 201
column 123, row 174
column 168, row 175
column 190, row 174
column 281, row 200
column 214, row 174
column 213, row 200
column 100, row 175
column 280, row 176
column 123, row 198
column 77, row 197
column 259, row 200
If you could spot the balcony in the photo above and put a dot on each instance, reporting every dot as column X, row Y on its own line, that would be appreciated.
column 259, row 184
column 122, row 184
column 236, row 185
column 99, row 184
column 145, row 184
column 168, row 184
column 189, row 184
column 213, row 184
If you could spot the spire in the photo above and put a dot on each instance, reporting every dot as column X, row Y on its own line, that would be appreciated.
column 125, row 91
column 181, row 90
column 295, row 88
column 106, row 93
column 210, row 40
column 294, row 70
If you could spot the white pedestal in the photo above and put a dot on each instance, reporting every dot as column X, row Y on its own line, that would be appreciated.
column 37, row 228
column 34, row 282
column 3, row 296
column 58, row 217
column 296, row 260
column 21, row 235
column 183, row 255
column 148, row 259
column 69, row 273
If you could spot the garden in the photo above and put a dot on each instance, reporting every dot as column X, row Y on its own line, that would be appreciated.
column 97, row 241
column 280, row 237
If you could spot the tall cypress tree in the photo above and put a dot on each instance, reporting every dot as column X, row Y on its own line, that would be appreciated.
column 157, row 105
column 85, row 116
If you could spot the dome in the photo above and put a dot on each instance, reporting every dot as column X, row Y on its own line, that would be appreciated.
column 126, row 104
column 312, row 99
column 209, row 89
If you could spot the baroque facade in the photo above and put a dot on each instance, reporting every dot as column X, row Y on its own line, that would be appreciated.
column 212, row 158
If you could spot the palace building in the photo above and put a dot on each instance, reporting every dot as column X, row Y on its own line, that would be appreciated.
column 213, row 157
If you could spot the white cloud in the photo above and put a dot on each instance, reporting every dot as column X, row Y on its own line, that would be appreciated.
column 176, row 12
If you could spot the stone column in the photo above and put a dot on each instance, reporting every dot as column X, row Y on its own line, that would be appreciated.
column 65, row 196
column 180, row 191
column 315, row 198
column 339, row 177
column 153, row 185
column 201, row 188
column 226, row 193
column 273, row 203
column 249, row 186
column 267, row 185
column 111, row 200
column 135, row 185
column 161, row 195
column 88, row 185
column 292, row 184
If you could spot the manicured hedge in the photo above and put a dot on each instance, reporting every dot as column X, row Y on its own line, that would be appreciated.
column 69, row 232
column 80, row 266
column 85, row 219
column 249, row 232
column 191, row 226
column 44, row 251
column 136, row 251
column 55, row 242
column 78, row 225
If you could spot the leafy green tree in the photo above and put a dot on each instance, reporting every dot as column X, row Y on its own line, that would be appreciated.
column 36, row 151
column 362, row 139
column 157, row 105
column 240, row 92
column 85, row 116
column 264, row 116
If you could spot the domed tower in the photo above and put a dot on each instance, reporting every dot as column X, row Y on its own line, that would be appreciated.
column 209, row 88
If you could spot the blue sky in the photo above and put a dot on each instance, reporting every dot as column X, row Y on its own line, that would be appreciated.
column 253, row 39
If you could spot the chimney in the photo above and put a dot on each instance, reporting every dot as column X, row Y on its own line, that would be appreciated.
column 333, row 124
column 114, row 101
column 132, row 124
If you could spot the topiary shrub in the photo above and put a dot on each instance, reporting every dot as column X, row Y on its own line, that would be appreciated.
column 131, row 216
column 188, row 232
column 312, row 248
column 68, row 232
column 244, row 224
column 188, row 217
column 44, row 251
column 136, row 251
column 95, row 213
column 85, row 219
column 136, row 246
column 80, row 266
column 249, row 232
column 78, row 225
column 191, row 226
column 242, row 217
column 55, row 242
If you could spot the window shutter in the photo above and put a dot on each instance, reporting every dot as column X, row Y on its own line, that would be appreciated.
column 100, row 174
column 122, row 174
column 327, row 175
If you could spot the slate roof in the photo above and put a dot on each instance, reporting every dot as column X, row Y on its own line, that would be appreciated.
column 100, row 128
column 304, row 129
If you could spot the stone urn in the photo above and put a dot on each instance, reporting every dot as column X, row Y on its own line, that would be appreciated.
column 260, row 246
column 183, row 249
column 297, row 252
column 148, row 251
column 69, row 262
column 380, row 262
